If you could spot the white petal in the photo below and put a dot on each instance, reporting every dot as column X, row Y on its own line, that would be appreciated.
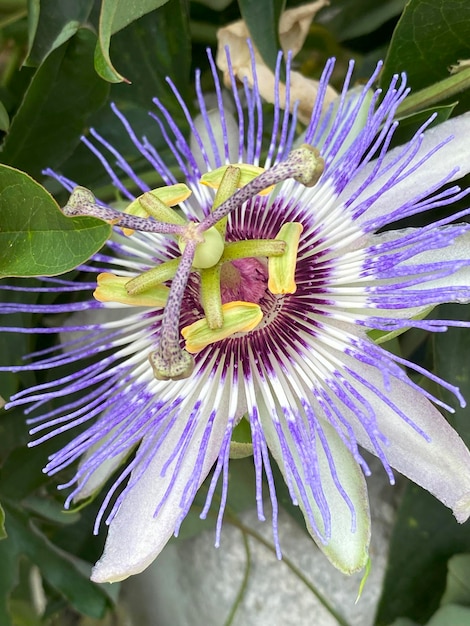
column 457, row 251
column 136, row 536
column 104, row 471
column 455, row 153
column 441, row 465
column 347, row 547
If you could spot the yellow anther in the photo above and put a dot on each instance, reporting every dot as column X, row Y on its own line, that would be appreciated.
column 248, row 173
column 281, row 269
column 112, row 288
column 239, row 317
column 157, row 203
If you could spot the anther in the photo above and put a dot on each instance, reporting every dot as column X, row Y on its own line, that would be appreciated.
column 158, row 203
column 238, row 317
column 281, row 269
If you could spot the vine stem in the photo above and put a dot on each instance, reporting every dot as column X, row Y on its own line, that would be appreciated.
column 244, row 583
column 246, row 530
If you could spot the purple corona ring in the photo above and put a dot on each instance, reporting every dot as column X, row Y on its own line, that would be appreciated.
column 245, row 287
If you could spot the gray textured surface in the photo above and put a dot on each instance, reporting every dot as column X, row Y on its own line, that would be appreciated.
column 193, row 584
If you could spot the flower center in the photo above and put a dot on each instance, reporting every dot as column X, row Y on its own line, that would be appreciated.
column 243, row 279
column 234, row 276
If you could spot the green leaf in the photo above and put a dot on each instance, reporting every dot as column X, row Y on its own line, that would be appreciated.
column 410, row 124
column 241, row 444
column 35, row 237
column 52, row 23
column 450, row 615
column 8, row 578
column 115, row 15
column 215, row 5
column 21, row 473
column 66, row 574
column 11, row 11
column 150, row 49
column 262, row 20
column 50, row 510
column 348, row 19
column 451, row 362
column 55, row 108
column 458, row 581
column 425, row 536
column 430, row 36
column 13, row 346
column 147, row 50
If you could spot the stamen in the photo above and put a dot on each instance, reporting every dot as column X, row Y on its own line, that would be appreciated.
column 169, row 361
column 227, row 187
column 160, row 210
column 157, row 203
column 237, row 317
column 248, row 172
column 151, row 278
column 113, row 288
column 305, row 165
column 281, row 269
column 82, row 202
column 211, row 297
column 250, row 248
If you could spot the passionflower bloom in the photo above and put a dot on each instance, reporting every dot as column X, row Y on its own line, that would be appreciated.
column 254, row 299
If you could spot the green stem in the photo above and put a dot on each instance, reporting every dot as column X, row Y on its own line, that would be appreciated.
column 249, row 531
column 244, row 583
column 428, row 97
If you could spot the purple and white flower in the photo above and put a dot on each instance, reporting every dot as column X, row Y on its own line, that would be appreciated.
column 258, row 306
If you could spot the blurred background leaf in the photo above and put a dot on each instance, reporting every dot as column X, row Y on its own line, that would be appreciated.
column 430, row 36
column 115, row 15
column 52, row 23
column 56, row 106
column 66, row 574
column 148, row 50
column 348, row 19
column 262, row 19
column 458, row 581
column 424, row 538
column 3, row 533
column 426, row 534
